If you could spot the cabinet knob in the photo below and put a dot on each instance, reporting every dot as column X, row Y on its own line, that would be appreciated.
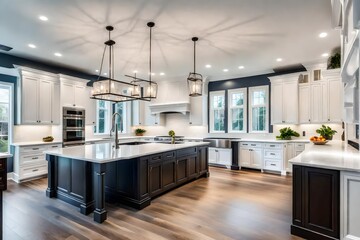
column 52, row 121
column 309, row 120
column 329, row 119
column 283, row 121
column 190, row 122
column 74, row 105
column 156, row 123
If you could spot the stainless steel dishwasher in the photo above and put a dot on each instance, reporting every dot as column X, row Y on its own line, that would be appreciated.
column 220, row 152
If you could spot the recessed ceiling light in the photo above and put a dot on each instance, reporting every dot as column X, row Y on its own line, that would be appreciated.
column 208, row 66
column 241, row 67
column 152, row 74
column 325, row 54
column 135, row 71
column 322, row 35
column 43, row 18
column 96, row 70
column 58, row 54
column 105, row 74
column 162, row 74
column 30, row 45
column 225, row 70
column 279, row 59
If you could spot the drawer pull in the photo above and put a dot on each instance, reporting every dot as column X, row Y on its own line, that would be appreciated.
column 170, row 156
column 55, row 146
column 35, row 149
column 245, row 144
column 1, row 165
column 35, row 158
column 273, row 164
column 272, row 146
column 35, row 170
column 272, row 154
column 253, row 144
column 156, row 158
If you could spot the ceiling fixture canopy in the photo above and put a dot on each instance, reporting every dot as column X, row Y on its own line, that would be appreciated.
column 195, row 80
column 109, row 89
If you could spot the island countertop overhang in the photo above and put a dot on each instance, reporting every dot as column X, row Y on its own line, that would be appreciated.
column 105, row 152
column 335, row 155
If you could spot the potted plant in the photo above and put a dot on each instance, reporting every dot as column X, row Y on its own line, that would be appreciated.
column 326, row 132
column 334, row 61
column 139, row 131
column 172, row 135
column 286, row 134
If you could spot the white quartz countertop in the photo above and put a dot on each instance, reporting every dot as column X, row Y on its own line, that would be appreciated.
column 23, row 144
column 335, row 155
column 5, row 155
column 270, row 140
column 105, row 152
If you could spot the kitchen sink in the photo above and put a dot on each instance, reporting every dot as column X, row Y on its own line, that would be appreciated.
column 219, row 142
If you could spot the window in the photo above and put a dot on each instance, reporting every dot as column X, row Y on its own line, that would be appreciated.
column 102, row 117
column 5, row 116
column 122, row 120
column 237, row 110
column 217, row 111
column 258, row 109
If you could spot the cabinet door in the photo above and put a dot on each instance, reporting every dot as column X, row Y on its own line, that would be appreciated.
column 277, row 103
column 81, row 97
column 290, row 102
column 155, row 175
column 149, row 118
column 168, row 174
column 304, row 104
column 245, row 158
column 203, row 160
column 213, row 155
column 256, row 158
column 45, row 109
column 316, row 103
column 224, row 156
column 192, row 162
column 90, row 108
column 67, row 95
column 55, row 104
column 135, row 113
column 29, row 100
column 335, row 108
column 182, row 172
column 290, row 153
column 196, row 111
column 350, row 205
column 321, row 201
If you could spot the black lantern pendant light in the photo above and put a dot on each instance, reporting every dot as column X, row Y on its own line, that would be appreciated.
column 195, row 80
column 150, row 88
column 110, row 89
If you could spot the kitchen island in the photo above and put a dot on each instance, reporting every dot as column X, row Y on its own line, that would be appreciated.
column 326, row 192
column 85, row 176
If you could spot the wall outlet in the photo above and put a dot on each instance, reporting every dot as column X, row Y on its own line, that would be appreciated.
column 304, row 133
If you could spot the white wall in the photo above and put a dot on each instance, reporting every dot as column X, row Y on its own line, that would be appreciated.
column 28, row 133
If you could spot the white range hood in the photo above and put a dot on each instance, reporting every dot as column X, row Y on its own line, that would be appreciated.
column 177, row 107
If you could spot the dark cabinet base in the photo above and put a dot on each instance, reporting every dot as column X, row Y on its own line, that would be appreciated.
column 308, row 234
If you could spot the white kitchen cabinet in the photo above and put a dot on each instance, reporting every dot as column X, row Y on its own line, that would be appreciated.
column 284, row 99
column 349, row 206
column 316, row 103
column 38, row 95
column 29, row 161
column 55, row 111
column 221, row 156
column 75, row 93
column 198, row 111
column 292, row 150
column 335, row 108
column 304, row 103
column 142, row 116
column 251, row 156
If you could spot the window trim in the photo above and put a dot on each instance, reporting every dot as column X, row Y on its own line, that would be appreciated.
column 126, row 120
column 250, row 107
column 230, row 107
column 211, row 114
column 11, row 87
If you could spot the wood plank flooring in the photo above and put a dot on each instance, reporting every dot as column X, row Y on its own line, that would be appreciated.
column 227, row 205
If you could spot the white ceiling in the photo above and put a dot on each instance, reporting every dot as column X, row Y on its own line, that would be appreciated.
column 252, row 33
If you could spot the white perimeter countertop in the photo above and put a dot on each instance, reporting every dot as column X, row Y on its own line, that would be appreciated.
column 336, row 155
column 5, row 155
column 270, row 140
column 105, row 152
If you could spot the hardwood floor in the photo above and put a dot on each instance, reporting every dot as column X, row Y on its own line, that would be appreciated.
column 228, row 205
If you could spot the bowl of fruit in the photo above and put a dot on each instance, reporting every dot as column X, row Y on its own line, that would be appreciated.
column 318, row 140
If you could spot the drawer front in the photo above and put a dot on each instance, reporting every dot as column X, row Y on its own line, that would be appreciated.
column 251, row 144
column 271, row 164
column 269, row 153
column 169, row 155
column 155, row 158
column 273, row 145
column 33, row 149
column 55, row 146
column 186, row 152
column 32, row 159
column 29, row 172
column 299, row 146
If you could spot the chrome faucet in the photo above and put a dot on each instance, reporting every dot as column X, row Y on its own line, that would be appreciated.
column 114, row 126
